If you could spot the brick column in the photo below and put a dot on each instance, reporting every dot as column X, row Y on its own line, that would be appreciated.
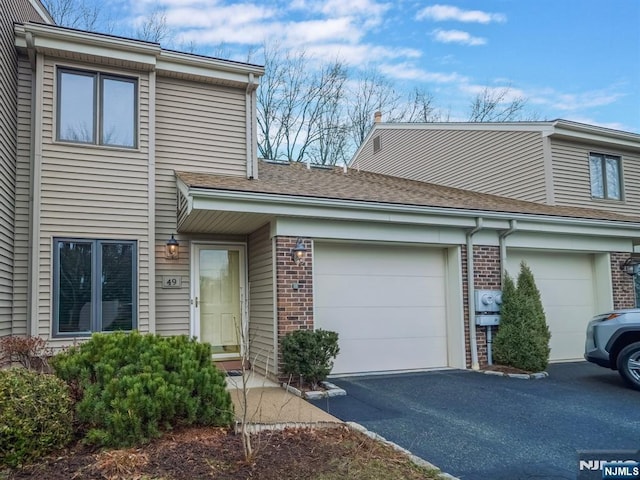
column 294, row 288
column 487, row 276
column 624, row 295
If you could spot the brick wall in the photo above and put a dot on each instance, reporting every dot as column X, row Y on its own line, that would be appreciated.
column 294, row 288
column 487, row 277
column 623, row 288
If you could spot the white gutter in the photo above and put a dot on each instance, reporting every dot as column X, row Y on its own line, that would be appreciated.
column 470, row 294
column 240, row 197
column 513, row 226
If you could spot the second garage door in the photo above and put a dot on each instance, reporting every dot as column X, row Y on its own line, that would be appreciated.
column 386, row 303
column 566, row 284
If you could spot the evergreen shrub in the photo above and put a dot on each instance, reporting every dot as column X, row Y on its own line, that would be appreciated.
column 35, row 415
column 523, row 338
column 131, row 387
column 309, row 354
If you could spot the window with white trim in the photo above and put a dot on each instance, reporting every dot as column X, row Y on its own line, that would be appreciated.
column 97, row 108
column 606, row 177
column 94, row 286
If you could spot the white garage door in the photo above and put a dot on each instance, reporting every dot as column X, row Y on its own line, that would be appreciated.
column 566, row 284
column 386, row 303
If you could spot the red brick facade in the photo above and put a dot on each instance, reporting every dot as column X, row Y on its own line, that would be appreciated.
column 487, row 276
column 623, row 289
column 294, row 288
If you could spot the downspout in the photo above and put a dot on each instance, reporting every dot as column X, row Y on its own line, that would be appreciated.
column 250, row 112
column 513, row 226
column 37, row 67
column 473, row 344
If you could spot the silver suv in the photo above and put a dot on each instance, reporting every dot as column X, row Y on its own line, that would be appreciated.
column 613, row 341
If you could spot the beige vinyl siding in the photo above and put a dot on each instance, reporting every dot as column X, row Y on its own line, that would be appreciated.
column 93, row 192
column 508, row 163
column 261, row 307
column 23, row 187
column 10, row 11
column 200, row 128
column 573, row 183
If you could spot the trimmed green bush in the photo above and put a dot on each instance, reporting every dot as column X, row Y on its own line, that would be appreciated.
column 309, row 354
column 35, row 415
column 132, row 387
column 523, row 338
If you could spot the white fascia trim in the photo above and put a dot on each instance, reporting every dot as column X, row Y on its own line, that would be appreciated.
column 197, row 65
column 145, row 53
column 471, row 126
column 56, row 38
column 42, row 11
column 594, row 134
column 313, row 207
column 362, row 145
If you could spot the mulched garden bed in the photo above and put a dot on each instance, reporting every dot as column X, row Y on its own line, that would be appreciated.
column 197, row 453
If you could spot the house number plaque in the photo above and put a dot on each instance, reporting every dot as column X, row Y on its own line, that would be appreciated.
column 170, row 281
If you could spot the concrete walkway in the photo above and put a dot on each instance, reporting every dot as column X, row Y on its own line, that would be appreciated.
column 268, row 403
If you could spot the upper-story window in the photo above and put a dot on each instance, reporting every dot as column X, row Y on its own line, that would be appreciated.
column 97, row 108
column 605, row 176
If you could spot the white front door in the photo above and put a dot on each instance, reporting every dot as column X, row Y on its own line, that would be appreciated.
column 218, row 303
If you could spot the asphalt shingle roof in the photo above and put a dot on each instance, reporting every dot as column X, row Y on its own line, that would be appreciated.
column 296, row 179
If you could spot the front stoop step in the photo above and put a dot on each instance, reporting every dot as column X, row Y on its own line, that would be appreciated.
column 332, row 390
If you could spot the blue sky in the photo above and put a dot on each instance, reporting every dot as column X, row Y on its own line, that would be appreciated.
column 572, row 59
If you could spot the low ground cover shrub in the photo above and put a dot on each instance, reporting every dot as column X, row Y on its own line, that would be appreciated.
column 35, row 415
column 131, row 387
column 309, row 354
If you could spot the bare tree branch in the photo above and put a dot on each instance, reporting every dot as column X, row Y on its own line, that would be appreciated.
column 81, row 14
column 154, row 28
column 494, row 105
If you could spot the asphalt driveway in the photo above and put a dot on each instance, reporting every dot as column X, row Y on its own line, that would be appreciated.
column 483, row 427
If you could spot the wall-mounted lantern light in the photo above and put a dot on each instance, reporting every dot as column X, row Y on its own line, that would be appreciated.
column 172, row 251
column 297, row 253
column 631, row 265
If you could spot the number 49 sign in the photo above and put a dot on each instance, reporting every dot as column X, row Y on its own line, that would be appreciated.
column 169, row 281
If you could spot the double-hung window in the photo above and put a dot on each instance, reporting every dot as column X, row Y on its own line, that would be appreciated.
column 606, row 176
column 94, row 286
column 97, row 108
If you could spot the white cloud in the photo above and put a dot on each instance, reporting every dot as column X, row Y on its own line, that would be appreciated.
column 457, row 36
column 313, row 31
column 361, row 8
column 441, row 13
column 408, row 71
column 221, row 16
column 576, row 101
column 506, row 93
column 359, row 55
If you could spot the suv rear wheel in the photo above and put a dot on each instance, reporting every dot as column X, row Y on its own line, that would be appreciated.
column 629, row 364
